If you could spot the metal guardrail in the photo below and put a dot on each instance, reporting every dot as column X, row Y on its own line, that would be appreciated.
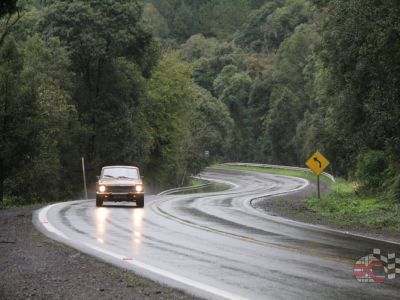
column 331, row 177
column 186, row 188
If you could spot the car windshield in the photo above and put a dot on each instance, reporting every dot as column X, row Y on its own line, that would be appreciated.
column 129, row 173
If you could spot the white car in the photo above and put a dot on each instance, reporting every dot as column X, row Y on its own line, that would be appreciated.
column 120, row 183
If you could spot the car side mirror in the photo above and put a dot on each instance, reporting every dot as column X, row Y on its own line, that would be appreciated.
column 98, row 178
column 142, row 177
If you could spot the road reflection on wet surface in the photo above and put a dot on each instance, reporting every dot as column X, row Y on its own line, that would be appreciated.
column 219, row 241
column 101, row 223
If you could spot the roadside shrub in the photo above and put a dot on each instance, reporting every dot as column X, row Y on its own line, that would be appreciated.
column 370, row 170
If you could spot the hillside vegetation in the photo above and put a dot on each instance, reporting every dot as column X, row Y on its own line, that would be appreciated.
column 155, row 83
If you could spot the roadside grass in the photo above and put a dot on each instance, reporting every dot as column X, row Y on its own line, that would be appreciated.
column 11, row 202
column 213, row 188
column 16, row 202
column 216, row 187
column 342, row 205
column 196, row 182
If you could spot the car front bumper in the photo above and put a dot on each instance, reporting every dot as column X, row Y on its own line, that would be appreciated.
column 120, row 196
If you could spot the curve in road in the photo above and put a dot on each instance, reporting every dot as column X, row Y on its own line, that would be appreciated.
column 216, row 245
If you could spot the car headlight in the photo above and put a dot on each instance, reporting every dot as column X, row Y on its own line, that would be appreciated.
column 102, row 188
column 139, row 188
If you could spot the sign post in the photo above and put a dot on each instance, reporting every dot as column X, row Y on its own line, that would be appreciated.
column 317, row 163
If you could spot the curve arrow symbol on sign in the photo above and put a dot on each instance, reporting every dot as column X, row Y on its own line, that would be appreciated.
column 317, row 161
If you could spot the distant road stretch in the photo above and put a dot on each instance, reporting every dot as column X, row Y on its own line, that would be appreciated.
column 217, row 246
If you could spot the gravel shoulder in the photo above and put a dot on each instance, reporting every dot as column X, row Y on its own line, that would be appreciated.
column 293, row 207
column 35, row 267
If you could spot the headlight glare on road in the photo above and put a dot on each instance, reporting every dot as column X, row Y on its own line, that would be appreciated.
column 102, row 188
column 139, row 188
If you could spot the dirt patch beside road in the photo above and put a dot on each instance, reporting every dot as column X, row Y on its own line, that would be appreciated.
column 293, row 206
column 35, row 267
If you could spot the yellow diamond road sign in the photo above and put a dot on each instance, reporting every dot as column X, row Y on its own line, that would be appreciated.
column 317, row 163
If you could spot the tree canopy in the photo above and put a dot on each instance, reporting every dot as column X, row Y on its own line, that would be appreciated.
column 158, row 82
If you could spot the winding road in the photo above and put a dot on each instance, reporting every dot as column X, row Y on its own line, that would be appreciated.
column 217, row 246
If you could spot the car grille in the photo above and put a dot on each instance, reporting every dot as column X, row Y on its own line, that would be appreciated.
column 119, row 189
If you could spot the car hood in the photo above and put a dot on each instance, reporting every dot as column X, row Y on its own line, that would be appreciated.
column 121, row 182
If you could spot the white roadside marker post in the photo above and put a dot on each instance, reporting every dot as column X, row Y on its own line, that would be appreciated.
column 84, row 178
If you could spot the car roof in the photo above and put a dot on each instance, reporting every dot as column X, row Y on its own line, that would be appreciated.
column 131, row 167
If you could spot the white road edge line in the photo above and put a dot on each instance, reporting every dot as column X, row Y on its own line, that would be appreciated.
column 170, row 275
column 198, row 285
column 46, row 224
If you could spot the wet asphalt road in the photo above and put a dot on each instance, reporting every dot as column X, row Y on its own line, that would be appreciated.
column 217, row 245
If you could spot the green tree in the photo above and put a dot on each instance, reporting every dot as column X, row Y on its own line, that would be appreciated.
column 111, row 52
column 290, row 96
column 281, row 126
column 46, row 72
column 11, row 12
column 182, row 22
column 46, row 122
column 206, row 70
column 210, row 128
column 361, row 58
column 17, row 109
column 217, row 18
column 271, row 24
column 370, row 170
column 251, row 36
column 223, row 79
column 155, row 21
column 233, row 89
column 197, row 46
column 258, row 107
column 226, row 16
column 169, row 92
column 185, row 120
column 8, row 7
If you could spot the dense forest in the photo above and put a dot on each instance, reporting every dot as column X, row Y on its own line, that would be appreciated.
column 155, row 83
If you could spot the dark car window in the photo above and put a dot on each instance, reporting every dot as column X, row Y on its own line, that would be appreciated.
column 120, row 173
